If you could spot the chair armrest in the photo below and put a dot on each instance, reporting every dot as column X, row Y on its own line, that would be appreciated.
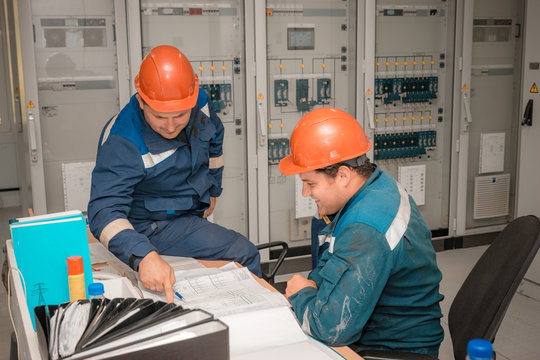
column 284, row 248
column 393, row 355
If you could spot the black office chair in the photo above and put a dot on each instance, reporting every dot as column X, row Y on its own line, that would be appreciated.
column 480, row 304
column 284, row 248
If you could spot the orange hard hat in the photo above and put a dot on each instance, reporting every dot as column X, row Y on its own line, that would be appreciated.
column 324, row 137
column 166, row 80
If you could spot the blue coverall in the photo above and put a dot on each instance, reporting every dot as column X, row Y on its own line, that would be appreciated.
column 377, row 276
column 149, row 193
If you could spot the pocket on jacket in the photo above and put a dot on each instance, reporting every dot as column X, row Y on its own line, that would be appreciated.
column 334, row 269
column 206, row 132
column 165, row 204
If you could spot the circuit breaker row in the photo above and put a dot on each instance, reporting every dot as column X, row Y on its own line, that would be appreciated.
column 404, row 145
column 303, row 100
column 278, row 148
column 406, row 90
column 219, row 94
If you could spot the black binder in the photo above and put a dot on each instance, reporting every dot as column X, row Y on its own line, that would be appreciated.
column 131, row 329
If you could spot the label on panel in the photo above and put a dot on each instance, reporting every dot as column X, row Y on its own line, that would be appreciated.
column 491, row 153
column 77, row 180
column 413, row 179
column 305, row 206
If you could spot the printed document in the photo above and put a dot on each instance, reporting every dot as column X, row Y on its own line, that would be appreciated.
column 260, row 320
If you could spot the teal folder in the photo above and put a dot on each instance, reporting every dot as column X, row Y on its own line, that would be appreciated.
column 41, row 245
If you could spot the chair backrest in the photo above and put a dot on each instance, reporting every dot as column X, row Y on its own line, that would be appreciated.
column 481, row 302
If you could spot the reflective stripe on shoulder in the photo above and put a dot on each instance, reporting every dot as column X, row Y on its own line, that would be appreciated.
column 330, row 240
column 113, row 228
column 151, row 160
column 401, row 221
column 216, row 162
column 205, row 110
column 108, row 129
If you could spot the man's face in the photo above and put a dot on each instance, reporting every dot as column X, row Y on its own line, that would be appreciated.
column 325, row 190
column 166, row 124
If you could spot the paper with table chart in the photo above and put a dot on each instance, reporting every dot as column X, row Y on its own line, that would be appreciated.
column 221, row 291
column 260, row 321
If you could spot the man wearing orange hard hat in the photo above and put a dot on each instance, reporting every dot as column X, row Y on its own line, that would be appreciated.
column 376, row 283
column 158, row 173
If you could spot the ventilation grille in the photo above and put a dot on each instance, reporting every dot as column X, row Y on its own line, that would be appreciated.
column 491, row 196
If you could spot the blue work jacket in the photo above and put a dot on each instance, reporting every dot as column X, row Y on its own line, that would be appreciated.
column 377, row 277
column 141, row 176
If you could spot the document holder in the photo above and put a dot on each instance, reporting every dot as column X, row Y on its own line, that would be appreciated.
column 131, row 329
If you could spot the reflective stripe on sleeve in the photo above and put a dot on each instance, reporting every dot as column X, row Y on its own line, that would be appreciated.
column 305, row 322
column 113, row 228
column 216, row 162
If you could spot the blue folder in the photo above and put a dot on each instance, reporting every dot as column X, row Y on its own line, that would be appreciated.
column 41, row 245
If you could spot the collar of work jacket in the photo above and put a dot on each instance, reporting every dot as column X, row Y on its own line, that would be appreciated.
column 329, row 229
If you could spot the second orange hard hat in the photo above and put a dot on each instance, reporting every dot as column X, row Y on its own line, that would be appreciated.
column 166, row 80
column 324, row 137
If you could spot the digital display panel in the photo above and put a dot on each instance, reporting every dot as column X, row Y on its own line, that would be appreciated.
column 300, row 38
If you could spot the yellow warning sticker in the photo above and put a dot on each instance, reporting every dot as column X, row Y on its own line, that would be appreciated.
column 534, row 89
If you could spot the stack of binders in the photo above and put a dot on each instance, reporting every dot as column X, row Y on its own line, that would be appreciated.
column 129, row 329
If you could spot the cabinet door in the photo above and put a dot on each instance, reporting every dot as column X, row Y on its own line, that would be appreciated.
column 528, row 198
column 488, row 104
column 306, row 58
column 72, row 88
column 212, row 36
column 412, row 96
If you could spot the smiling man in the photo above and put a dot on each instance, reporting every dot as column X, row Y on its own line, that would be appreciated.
column 158, row 173
column 376, row 283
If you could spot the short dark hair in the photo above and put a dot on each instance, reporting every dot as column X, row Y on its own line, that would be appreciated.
column 365, row 170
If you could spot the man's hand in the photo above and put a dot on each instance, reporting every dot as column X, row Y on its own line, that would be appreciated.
column 156, row 275
column 297, row 283
column 210, row 210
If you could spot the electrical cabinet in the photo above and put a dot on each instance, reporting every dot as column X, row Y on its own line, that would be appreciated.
column 210, row 34
column 310, row 63
column 10, row 126
column 411, row 124
column 487, row 116
column 72, row 87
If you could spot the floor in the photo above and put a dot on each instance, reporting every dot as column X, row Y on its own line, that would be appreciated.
column 518, row 337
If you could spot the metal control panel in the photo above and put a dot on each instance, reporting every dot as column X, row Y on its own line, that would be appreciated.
column 76, row 64
column 412, row 98
column 311, row 63
column 210, row 34
column 492, row 123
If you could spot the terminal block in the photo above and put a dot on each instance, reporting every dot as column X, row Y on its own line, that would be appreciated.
column 219, row 94
column 281, row 92
column 324, row 91
column 419, row 90
column 404, row 145
column 388, row 90
column 303, row 102
column 302, row 95
column 278, row 148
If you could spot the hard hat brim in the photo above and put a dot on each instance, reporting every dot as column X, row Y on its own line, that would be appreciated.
column 288, row 167
column 171, row 105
